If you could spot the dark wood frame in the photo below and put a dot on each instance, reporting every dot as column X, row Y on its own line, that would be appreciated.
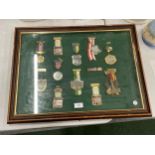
column 13, row 118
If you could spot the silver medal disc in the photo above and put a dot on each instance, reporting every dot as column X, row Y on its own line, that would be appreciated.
column 57, row 76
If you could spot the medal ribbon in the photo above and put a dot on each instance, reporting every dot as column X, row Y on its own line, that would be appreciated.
column 90, row 53
column 112, row 76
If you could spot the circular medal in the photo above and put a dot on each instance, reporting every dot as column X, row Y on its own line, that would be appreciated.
column 110, row 59
column 57, row 76
column 40, row 59
column 42, row 85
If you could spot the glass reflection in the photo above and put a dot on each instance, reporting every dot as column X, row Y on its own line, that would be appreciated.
column 35, row 110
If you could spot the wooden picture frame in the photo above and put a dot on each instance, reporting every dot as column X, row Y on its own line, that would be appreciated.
column 21, row 98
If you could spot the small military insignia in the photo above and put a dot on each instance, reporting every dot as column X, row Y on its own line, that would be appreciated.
column 96, row 97
column 42, row 85
column 57, row 76
column 58, row 50
column 112, row 84
column 76, row 60
column 58, row 99
column 110, row 59
column 41, row 59
column 77, row 84
column 40, row 47
column 58, row 63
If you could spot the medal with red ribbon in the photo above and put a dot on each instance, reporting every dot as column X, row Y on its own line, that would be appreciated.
column 90, row 53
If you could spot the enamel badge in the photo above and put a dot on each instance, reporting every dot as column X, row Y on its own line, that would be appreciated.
column 58, row 50
column 58, row 63
column 58, row 99
column 40, row 47
column 76, row 58
column 96, row 96
column 77, row 84
column 110, row 59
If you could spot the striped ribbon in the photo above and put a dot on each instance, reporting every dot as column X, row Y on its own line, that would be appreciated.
column 90, row 53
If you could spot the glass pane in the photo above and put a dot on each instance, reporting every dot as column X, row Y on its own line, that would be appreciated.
column 49, row 82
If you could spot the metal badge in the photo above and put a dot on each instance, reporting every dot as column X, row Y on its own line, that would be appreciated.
column 58, row 63
column 58, row 76
column 41, row 59
column 58, row 99
column 77, row 84
column 40, row 47
column 96, row 97
column 42, row 85
column 110, row 59
column 58, row 50
column 76, row 60
column 112, row 84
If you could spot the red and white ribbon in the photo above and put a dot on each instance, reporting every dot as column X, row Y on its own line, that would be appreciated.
column 90, row 53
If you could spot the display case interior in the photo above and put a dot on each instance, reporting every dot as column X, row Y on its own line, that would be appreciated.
column 77, row 73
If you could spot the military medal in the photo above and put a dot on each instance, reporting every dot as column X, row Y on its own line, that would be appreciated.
column 40, row 51
column 92, row 49
column 112, row 84
column 58, row 99
column 77, row 84
column 42, row 85
column 110, row 59
column 57, row 76
column 58, row 63
column 96, row 96
column 58, row 50
column 76, row 58
column 40, row 47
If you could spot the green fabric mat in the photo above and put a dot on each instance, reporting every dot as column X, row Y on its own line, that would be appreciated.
column 121, row 43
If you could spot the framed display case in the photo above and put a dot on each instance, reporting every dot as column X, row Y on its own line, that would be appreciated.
column 66, row 73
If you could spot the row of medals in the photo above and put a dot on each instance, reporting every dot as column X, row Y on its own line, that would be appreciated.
column 77, row 84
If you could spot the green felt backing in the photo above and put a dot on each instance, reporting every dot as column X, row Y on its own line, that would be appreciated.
column 126, row 72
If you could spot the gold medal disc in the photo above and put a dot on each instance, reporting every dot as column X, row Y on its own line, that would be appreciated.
column 110, row 59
